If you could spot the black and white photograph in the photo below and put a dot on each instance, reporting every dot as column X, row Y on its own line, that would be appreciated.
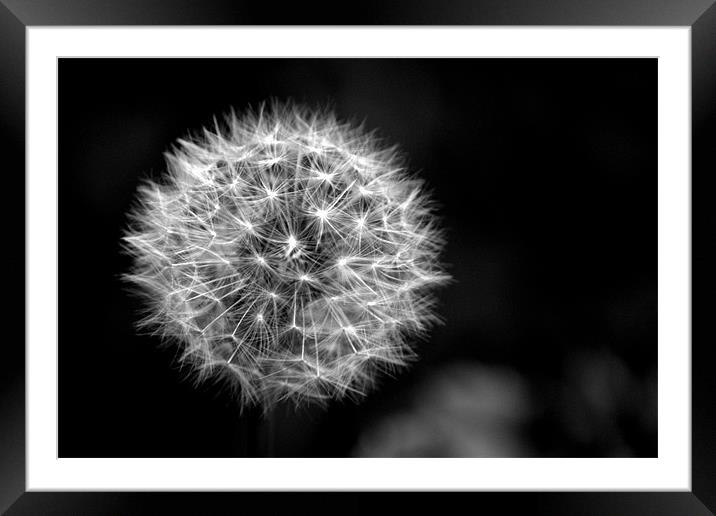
column 357, row 257
column 405, row 254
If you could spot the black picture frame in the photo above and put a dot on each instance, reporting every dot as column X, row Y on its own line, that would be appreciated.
column 700, row 15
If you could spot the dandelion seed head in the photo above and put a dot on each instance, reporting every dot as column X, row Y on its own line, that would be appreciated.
column 288, row 252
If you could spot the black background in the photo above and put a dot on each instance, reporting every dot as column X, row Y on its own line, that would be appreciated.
column 546, row 172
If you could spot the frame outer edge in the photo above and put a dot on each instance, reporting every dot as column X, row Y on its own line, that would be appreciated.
column 703, row 70
column 366, row 12
column 12, row 102
column 12, row 363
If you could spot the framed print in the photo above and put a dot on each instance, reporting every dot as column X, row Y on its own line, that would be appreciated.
column 338, row 259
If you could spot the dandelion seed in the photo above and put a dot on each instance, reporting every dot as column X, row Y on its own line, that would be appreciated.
column 289, row 252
